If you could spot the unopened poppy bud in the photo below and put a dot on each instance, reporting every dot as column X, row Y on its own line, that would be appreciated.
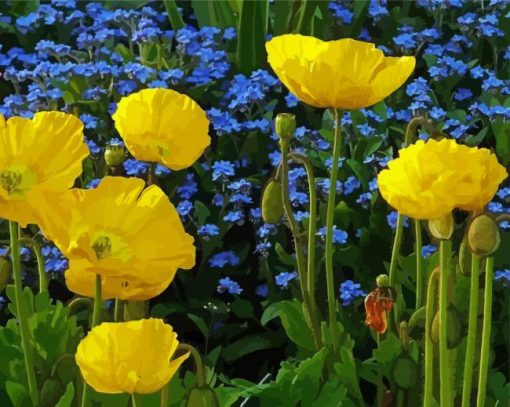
column 382, row 280
column 454, row 327
column 115, row 154
column 483, row 236
column 5, row 273
column 202, row 397
column 272, row 201
column 442, row 228
column 285, row 126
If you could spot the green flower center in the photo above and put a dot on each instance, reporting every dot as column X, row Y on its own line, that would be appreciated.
column 17, row 180
column 102, row 246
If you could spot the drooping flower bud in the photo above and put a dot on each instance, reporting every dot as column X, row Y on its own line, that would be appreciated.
column 5, row 273
column 272, row 201
column 202, row 397
column 454, row 327
column 483, row 236
column 285, row 125
column 442, row 228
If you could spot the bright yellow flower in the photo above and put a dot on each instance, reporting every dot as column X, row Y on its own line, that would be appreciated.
column 430, row 179
column 130, row 235
column 164, row 126
column 129, row 357
column 344, row 74
column 37, row 156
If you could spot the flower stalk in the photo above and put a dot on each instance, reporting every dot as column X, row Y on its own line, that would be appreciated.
column 429, row 345
column 471, row 335
column 310, row 307
column 486, row 331
column 394, row 262
column 36, row 248
column 330, row 217
column 21, row 311
column 445, row 253
column 419, row 264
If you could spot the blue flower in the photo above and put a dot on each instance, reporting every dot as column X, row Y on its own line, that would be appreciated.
column 234, row 216
column 350, row 185
column 392, row 220
column 350, row 291
column 184, row 208
column 262, row 290
column 291, row 100
column 223, row 259
column 341, row 12
column 339, row 236
column 284, row 278
column 228, row 285
column 135, row 167
column 208, row 230
column 53, row 259
column 93, row 183
column 428, row 250
column 222, row 169
column 189, row 188
column 462, row 94
column 503, row 276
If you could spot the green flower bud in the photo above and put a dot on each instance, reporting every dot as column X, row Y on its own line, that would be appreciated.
column 454, row 327
column 483, row 236
column 285, row 125
column 202, row 397
column 442, row 228
column 464, row 258
column 404, row 371
column 382, row 280
column 115, row 155
column 272, row 201
column 5, row 273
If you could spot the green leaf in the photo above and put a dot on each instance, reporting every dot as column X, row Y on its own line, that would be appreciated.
column 360, row 170
column 252, row 30
column 242, row 308
column 174, row 16
column 502, row 133
column 18, row 394
column 293, row 321
column 249, row 344
column 202, row 212
column 200, row 323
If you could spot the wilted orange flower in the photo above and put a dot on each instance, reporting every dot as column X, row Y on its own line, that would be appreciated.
column 378, row 304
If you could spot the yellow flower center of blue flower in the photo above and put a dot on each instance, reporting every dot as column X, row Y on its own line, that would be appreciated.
column 17, row 180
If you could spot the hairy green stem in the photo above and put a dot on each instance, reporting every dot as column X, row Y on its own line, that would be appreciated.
column 199, row 364
column 471, row 335
column 429, row 345
column 310, row 307
column 36, row 248
column 135, row 401
column 312, row 225
column 118, row 310
column 76, row 303
column 330, row 218
column 393, row 266
column 445, row 254
column 22, row 316
column 486, row 331
column 96, row 315
column 380, row 384
column 419, row 264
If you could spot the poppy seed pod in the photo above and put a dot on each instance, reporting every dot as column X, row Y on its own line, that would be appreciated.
column 272, row 201
column 483, row 236
column 114, row 155
column 202, row 397
column 454, row 327
column 442, row 228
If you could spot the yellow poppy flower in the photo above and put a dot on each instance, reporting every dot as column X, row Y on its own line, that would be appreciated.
column 164, row 126
column 129, row 357
column 121, row 231
column 343, row 74
column 81, row 281
column 38, row 155
column 430, row 179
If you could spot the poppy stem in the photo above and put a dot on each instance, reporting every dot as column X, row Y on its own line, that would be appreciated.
column 471, row 334
column 96, row 316
column 445, row 253
column 21, row 313
column 330, row 218
column 486, row 331
column 36, row 248
column 429, row 345
column 393, row 265
column 309, row 307
column 419, row 264
column 312, row 224
column 199, row 364
column 118, row 310
column 135, row 401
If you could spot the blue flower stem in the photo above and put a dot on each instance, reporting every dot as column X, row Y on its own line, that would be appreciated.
column 96, row 316
column 309, row 307
column 445, row 254
column 486, row 331
column 471, row 335
column 419, row 264
column 22, row 316
column 393, row 266
column 429, row 345
column 36, row 248
column 312, row 224
column 330, row 218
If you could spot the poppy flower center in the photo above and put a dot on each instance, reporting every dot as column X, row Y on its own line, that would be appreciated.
column 110, row 246
column 17, row 180
column 102, row 246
